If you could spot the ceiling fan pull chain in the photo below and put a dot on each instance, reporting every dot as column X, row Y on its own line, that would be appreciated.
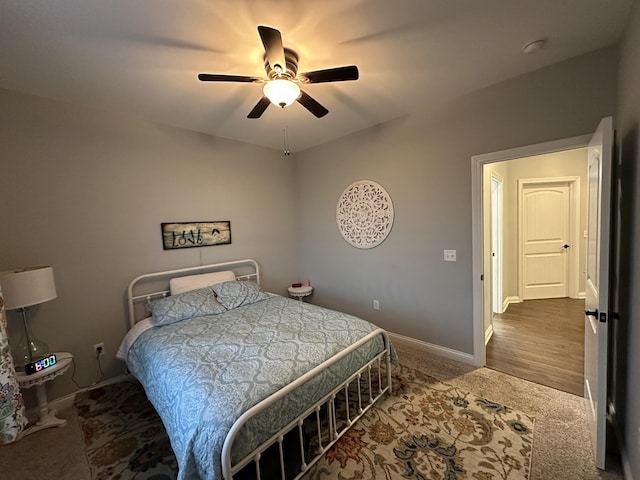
column 285, row 134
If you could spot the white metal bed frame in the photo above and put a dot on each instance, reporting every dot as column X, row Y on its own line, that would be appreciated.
column 371, row 382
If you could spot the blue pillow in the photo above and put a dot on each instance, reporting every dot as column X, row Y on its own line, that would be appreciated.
column 194, row 303
column 238, row 293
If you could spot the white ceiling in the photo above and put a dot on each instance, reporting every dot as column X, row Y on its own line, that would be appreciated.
column 143, row 57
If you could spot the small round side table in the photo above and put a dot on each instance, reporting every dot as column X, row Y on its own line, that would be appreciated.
column 46, row 417
column 300, row 292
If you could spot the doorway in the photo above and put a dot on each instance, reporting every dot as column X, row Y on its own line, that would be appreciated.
column 595, row 277
column 537, row 163
column 537, row 329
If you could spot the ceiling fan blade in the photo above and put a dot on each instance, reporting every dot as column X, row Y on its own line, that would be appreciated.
column 310, row 104
column 338, row 74
column 259, row 109
column 273, row 47
column 212, row 77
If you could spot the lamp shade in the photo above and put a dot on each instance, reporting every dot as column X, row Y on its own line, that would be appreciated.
column 281, row 92
column 27, row 286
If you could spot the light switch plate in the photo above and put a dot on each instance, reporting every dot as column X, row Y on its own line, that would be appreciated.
column 449, row 255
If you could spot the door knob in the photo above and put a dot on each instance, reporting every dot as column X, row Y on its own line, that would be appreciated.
column 591, row 313
column 565, row 246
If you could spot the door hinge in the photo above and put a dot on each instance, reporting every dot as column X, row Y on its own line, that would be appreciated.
column 603, row 317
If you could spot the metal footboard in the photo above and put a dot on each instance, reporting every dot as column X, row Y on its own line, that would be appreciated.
column 322, row 424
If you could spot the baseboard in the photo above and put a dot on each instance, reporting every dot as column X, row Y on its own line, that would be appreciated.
column 62, row 403
column 508, row 301
column 488, row 333
column 582, row 295
column 433, row 349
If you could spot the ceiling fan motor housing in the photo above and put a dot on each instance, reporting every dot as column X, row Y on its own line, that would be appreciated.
column 291, row 59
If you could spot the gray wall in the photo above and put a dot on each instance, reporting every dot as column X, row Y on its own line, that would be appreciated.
column 626, row 387
column 424, row 162
column 85, row 191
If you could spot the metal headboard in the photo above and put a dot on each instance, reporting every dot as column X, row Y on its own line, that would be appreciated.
column 156, row 285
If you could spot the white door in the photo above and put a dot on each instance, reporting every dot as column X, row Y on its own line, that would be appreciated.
column 597, row 285
column 544, row 232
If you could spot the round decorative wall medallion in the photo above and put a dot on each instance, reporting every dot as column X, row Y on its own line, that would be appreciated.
column 364, row 214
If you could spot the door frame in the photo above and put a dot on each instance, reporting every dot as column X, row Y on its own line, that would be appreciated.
column 573, row 262
column 477, row 223
column 497, row 300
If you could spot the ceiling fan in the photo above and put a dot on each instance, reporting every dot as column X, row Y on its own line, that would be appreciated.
column 281, row 87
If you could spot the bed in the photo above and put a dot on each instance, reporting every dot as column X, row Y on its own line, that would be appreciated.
column 249, row 384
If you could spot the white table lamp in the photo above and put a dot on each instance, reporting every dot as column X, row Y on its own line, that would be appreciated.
column 22, row 289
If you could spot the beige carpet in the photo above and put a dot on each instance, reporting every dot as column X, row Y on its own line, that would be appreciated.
column 561, row 445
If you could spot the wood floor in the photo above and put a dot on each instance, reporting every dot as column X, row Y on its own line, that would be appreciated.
column 541, row 341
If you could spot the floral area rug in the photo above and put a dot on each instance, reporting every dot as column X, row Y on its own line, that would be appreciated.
column 123, row 435
column 425, row 430
column 428, row 430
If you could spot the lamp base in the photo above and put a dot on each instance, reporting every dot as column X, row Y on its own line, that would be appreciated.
column 23, row 354
column 29, row 348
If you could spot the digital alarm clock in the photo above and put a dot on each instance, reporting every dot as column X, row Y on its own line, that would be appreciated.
column 41, row 364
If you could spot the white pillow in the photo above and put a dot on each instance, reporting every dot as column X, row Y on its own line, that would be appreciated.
column 193, row 282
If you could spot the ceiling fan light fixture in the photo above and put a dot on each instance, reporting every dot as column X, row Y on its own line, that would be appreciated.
column 281, row 92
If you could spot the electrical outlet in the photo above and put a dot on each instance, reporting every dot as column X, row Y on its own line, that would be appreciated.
column 376, row 305
column 98, row 349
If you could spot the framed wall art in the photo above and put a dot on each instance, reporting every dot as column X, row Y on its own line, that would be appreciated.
column 195, row 234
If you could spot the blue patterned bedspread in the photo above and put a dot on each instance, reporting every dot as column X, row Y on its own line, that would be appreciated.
column 202, row 373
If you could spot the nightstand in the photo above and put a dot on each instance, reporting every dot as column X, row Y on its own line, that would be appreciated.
column 300, row 292
column 46, row 417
